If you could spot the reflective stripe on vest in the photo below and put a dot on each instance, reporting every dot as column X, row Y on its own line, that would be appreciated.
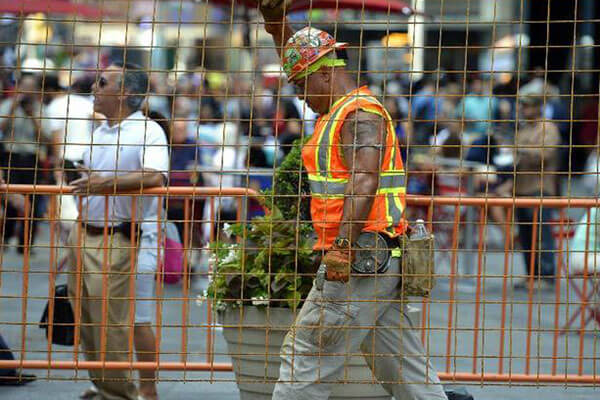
column 327, row 187
column 388, row 184
column 391, row 181
column 323, row 150
column 394, row 208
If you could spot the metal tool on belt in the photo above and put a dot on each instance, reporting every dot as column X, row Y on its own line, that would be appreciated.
column 372, row 253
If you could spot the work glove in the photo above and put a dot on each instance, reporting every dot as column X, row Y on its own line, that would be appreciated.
column 273, row 11
column 338, row 263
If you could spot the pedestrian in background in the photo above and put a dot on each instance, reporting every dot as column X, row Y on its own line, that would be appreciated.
column 10, row 376
column 68, row 120
column 536, row 158
column 24, row 140
column 128, row 152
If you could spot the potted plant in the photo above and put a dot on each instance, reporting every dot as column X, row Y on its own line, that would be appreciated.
column 259, row 282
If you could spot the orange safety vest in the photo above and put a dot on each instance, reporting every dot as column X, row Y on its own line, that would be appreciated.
column 328, row 174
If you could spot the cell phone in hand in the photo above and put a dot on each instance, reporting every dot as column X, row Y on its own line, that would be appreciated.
column 78, row 171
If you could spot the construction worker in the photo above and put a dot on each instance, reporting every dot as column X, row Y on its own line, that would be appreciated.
column 357, row 202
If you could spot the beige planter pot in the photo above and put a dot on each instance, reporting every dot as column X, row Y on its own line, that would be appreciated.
column 254, row 337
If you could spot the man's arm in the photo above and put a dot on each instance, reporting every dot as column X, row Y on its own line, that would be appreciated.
column 33, row 111
column 363, row 144
column 277, row 26
column 540, row 150
column 98, row 184
column 7, row 112
column 57, row 141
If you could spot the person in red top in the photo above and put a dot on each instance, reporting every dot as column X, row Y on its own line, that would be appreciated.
column 357, row 185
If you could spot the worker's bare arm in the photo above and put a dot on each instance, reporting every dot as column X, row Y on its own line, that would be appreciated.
column 277, row 24
column 363, row 141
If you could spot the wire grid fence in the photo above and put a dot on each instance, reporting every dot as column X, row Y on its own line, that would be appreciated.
column 511, row 199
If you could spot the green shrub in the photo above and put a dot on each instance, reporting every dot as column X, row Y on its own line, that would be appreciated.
column 266, row 263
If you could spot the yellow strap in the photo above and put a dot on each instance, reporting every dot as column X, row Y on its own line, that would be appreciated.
column 324, row 131
column 319, row 178
column 393, row 172
column 398, row 190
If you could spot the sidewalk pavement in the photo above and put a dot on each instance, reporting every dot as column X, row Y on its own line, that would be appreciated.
column 65, row 384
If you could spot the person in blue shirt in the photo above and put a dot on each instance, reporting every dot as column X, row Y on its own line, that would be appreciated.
column 426, row 107
column 478, row 108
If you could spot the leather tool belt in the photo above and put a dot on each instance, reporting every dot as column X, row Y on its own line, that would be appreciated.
column 372, row 252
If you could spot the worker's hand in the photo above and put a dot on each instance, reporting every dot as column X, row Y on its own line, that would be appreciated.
column 93, row 184
column 274, row 10
column 338, row 263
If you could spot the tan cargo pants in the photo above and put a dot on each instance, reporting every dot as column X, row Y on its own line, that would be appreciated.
column 344, row 318
column 111, row 384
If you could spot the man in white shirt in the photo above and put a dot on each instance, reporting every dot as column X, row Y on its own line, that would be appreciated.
column 69, row 121
column 128, row 152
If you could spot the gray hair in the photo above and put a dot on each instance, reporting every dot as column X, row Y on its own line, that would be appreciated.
column 135, row 83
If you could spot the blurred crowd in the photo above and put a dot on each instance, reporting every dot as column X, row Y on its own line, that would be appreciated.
column 460, row 134
column 219, row 127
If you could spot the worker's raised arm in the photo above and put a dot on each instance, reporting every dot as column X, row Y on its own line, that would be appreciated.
column 276, row 23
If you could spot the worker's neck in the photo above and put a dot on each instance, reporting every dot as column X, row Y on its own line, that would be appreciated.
column 341, row 87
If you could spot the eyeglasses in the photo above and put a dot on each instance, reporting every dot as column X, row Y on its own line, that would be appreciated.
column 102, row 82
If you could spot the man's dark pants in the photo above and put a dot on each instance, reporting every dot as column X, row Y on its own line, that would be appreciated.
column 545, row 249
column 22, row 169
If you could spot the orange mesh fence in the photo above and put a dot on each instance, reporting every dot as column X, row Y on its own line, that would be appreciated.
column 540, row 337
column 158, row 169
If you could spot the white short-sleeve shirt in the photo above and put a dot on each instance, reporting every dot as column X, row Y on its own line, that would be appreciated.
column 136, row 144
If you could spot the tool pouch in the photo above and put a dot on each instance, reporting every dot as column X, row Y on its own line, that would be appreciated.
column 418, row 266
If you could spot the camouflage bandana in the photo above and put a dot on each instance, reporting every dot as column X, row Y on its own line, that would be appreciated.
column 306, row 47
column 322, row 62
